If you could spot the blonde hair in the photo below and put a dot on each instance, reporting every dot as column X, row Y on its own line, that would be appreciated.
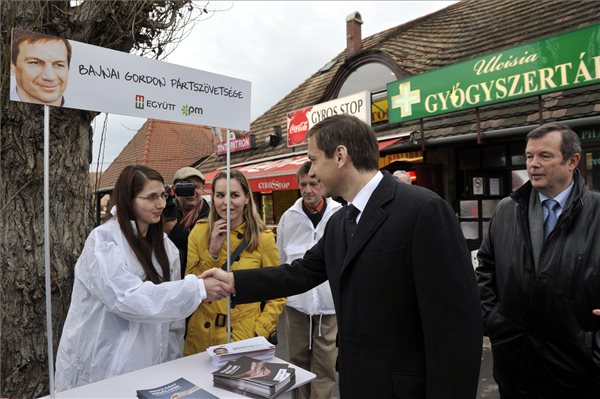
column 254, row 223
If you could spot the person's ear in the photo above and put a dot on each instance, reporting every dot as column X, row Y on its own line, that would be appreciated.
column 341, row 154
column 573, row 162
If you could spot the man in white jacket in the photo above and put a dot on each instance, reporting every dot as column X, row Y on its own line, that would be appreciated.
column 310, row 317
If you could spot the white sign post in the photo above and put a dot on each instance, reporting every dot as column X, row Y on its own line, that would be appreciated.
column 93, row 78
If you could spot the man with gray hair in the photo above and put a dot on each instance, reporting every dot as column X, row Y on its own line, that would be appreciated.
column 403, row 176
column 539, row 273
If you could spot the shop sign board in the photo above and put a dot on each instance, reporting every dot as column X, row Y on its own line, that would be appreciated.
column 99, row 79
column 300, row 121
column 556, row 63
column 379, row 111
column 243, row 143
column 588, row 134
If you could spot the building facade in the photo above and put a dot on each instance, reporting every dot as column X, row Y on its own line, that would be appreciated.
column 471, row 156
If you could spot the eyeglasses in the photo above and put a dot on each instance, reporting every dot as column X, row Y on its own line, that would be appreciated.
column 154, row 197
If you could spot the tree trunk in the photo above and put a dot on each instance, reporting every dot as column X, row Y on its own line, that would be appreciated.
column 111, row 24
column 24, row 347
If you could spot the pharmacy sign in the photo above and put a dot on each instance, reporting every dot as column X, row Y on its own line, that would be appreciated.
column 553, row 64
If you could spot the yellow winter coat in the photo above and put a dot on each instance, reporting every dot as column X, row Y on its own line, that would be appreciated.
column 247, row 320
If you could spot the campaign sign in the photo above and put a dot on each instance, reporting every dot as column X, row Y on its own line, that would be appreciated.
column 56, row 71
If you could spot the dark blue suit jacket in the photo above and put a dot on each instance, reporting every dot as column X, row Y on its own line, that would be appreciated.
column 408, row 310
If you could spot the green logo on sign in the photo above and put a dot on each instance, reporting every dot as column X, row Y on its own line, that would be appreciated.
column 406, row 98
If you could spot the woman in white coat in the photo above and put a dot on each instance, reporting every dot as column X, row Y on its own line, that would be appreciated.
column 129, row 304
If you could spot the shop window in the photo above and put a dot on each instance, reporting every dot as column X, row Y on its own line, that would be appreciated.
column 468, row 209
column 282, row 201
column 469, row 159
column 266, row 208
column 517, row 154
column 518, row 177
column 488, row 207
column 470, row 230
column 494, row 157
column 592, row 169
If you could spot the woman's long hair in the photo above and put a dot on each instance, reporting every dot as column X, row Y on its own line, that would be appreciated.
column 254, row 224
column 130, row 183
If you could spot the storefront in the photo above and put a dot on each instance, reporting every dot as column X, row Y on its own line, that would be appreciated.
column 274, row 182
column 553, row 79
column 468, row 143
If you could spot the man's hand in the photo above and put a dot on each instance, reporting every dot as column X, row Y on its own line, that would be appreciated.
column 216, row 289
column 220, row 275
column 596, row 312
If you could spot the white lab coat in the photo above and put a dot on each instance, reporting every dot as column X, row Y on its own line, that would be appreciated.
column 119, row 322
column 296, row 235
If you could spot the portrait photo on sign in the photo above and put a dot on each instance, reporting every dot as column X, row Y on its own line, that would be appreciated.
column 39, row 68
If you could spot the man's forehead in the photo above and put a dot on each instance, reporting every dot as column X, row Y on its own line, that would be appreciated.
column 56, row 48
column 550, row 139
column 308, row 179
column 313, row 150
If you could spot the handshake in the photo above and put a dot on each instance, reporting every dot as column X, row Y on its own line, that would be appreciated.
column 218, row 284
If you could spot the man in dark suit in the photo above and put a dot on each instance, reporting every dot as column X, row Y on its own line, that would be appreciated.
column 409, row 319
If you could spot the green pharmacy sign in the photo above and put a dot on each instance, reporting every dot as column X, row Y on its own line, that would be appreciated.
column 557, row 63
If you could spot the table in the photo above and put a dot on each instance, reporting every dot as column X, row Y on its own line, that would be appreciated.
column 195, row 368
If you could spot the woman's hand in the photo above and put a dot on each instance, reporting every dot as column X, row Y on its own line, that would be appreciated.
column 217, row 237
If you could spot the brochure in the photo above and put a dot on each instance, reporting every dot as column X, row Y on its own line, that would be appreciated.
column 257, row 347
column 255, row 377
column 178, row 389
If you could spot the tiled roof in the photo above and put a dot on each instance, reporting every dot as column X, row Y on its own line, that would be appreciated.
column 459, row 32
column 164, row 146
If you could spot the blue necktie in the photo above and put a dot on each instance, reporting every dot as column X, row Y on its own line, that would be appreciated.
column 350, row 221
column 551, row 205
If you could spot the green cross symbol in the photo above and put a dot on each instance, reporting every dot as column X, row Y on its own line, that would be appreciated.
column 405, row 99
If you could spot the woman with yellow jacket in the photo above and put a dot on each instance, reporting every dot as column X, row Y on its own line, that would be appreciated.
column 207, row 248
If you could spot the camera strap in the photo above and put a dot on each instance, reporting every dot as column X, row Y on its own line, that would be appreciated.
column 235, row 256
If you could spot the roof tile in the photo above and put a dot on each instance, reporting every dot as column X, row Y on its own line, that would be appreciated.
column 164, row 146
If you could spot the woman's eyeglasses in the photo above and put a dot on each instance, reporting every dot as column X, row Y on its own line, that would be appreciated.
column 155, row 197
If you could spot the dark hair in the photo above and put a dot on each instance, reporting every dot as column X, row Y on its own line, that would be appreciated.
column 570, row 144
column 130, row 183
column 349, row 131
column 20, row 36
column 303, row 169
column 254, row 224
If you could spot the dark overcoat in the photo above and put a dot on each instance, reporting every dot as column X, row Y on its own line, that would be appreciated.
column 408, row 310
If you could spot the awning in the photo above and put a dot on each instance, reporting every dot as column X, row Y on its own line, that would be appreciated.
column 277, row 175
column 268, row 176
column 386, row 143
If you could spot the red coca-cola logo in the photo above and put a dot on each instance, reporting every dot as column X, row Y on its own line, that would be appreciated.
column 301, row 127
column 298, row 126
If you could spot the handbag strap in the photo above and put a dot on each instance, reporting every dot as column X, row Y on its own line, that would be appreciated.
column 236, row 254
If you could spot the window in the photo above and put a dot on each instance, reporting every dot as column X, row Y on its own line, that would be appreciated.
column 372, row 77
column 369, row 70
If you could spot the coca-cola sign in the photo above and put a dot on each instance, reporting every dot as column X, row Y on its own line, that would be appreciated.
column 297, row 126
column 300, row 121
